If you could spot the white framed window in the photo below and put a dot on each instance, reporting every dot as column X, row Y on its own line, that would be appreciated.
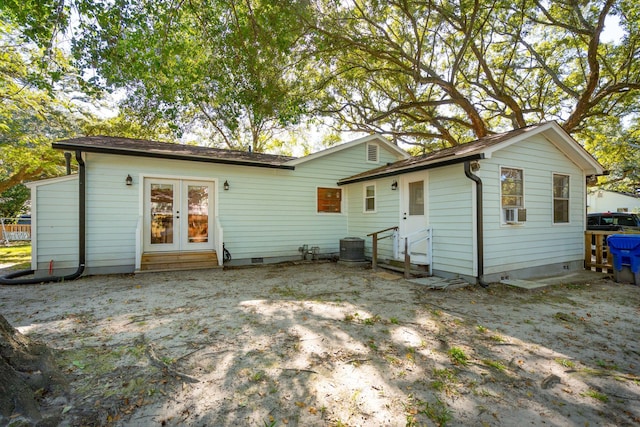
column 561, row 198
column 370, row 198
column 373, row 155
column 512, row 196
column 329, row 200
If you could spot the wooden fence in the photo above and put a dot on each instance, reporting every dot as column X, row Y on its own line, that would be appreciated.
column 596, row 255
column 13, row 232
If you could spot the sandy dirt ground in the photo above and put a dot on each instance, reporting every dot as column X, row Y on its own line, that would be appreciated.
column 328, row 345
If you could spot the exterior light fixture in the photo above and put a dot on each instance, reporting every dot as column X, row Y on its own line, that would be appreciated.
column 394, row 185
column 226, row 185
column 129, row 180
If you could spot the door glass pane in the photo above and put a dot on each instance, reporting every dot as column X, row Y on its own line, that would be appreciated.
column 161, row 213
column 416, row 198
column 198, row 213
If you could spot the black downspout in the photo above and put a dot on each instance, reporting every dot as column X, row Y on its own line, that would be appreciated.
column 479, row 223
column 67, row 160
column 11, row 279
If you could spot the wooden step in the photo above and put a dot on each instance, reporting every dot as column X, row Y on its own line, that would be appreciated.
column 172, row 261
column 415, row 270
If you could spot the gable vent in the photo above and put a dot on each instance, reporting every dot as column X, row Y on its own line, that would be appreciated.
column 372, row 153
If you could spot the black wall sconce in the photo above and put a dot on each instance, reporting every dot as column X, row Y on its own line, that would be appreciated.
column 394, row 185
column 226, row 185
column 129, row 180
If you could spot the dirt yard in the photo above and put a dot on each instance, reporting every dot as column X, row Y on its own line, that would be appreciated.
column 328, row 345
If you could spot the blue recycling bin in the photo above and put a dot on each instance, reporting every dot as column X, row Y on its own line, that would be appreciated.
column 625, row 249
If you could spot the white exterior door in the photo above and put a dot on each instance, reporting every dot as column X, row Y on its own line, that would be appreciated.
column 178, row 215
column 413, row 218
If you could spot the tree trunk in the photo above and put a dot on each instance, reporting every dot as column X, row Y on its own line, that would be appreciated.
column 28, row 379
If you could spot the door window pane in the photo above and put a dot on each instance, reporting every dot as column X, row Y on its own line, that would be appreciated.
column 416, row 198
column 198, row 216
column 162, row 221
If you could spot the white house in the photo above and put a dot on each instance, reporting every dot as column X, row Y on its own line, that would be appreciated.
column 511, row 204
column 599, row 200
column 149, row 205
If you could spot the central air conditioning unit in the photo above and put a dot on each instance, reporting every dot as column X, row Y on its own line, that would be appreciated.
column 515, row 215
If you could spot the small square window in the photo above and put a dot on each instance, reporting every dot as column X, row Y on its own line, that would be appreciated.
column 329, row 200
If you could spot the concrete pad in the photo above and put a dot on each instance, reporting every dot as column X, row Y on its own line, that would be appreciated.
column 524, row 284
column 574, row 278
column 388, row 276
column 439, row 283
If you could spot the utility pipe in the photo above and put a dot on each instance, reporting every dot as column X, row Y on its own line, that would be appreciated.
column 479, row 223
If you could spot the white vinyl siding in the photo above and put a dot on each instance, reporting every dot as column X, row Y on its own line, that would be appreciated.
column 536, row 242
column 451, row 216
column 266, row 213
column 55, row 222
column 386, row 215
column 274, row 211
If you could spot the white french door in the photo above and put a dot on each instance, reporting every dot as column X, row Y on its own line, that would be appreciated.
column 178, row 215
column 413, row 219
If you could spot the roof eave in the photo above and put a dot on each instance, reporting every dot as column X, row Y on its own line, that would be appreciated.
column 413, row 168
column 170, row 156
column 556, row 135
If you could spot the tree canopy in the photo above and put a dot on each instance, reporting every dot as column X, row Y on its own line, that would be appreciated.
column 221, row 68
column 31, row 115
column 426, row 73
column 447, row 72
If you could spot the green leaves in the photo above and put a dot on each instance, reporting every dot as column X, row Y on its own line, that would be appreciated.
column 224, row 68
column 419, row 71
column 427, row 73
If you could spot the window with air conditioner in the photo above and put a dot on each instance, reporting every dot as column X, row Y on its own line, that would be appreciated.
column 512, row 196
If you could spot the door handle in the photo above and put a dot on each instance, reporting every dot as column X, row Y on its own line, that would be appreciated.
column 404, row 215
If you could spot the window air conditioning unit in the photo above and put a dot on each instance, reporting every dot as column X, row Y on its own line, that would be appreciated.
column 515, row 215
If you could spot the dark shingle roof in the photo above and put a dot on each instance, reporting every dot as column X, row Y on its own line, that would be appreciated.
column 156, row 149
column 470, row 151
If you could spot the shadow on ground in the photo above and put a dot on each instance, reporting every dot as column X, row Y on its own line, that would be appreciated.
column 323, row 344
